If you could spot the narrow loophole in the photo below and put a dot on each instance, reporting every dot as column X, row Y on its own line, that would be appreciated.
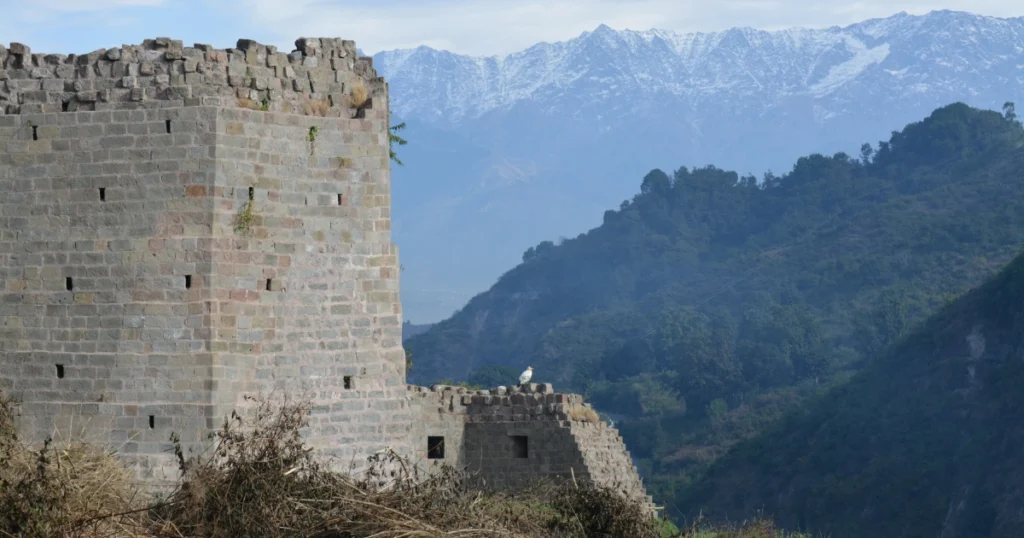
column 69, row 284
column 270, row 284
column 252, row 193
column 103, row 194
column 152, row 422
column 520, row 446
column 60, row 371
column 64, row 105
column 35, row 132
column 168, row 124
column 435, row 448
column 348, row 382
column 188, row 282
column 341, row 199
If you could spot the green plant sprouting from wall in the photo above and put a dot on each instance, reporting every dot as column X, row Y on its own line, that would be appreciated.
column 395, row 139
column 312, row 138
column 246, row 215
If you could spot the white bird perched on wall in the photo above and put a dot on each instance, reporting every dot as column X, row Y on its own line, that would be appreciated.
column 526, row 375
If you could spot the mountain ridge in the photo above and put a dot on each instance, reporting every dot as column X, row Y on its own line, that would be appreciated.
column 920, row 443
column 718, row 225
column 502, row 157
column 498, row 72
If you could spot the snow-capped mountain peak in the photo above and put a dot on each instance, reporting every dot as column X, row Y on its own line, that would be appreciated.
column 603, row 65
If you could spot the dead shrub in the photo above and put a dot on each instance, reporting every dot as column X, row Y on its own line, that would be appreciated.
column 316, row 107
column 261, row 480
column 756, row 528
column 69, row 488
column 359, row 95
column 587, row 510
column 582, row 413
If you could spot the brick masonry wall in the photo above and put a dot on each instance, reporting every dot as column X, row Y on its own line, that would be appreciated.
column 305, row 302
column 509, row 438
column 99, row 335
column 124, row 176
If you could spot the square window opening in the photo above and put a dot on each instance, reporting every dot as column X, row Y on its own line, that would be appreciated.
column 520, row 446
column 435, row 448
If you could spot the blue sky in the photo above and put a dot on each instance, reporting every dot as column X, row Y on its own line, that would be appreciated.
column 478, row 27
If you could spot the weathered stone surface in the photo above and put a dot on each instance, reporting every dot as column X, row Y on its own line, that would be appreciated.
column 510, row 439
column 135, row 308
column 132, row 304
column 312, row 68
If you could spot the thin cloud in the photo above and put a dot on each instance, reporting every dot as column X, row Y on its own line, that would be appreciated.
column 475, row 27
column 485, row 27
column 78, row 6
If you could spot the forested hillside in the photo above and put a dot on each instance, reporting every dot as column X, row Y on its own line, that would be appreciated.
column 925, row 441
column 779, row 281
column 710, row 305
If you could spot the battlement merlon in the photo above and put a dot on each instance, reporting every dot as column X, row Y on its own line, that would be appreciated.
column 321, row 75
column 534, row 401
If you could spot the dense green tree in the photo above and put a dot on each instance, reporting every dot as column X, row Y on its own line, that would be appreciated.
column 934, row 423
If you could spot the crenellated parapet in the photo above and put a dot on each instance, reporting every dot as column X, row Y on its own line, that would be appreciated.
column 511, row 436
column 321, row 76
column 504, row 404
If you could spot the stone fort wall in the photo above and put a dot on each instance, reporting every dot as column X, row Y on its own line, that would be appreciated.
column 183, row 227
column 510, row 437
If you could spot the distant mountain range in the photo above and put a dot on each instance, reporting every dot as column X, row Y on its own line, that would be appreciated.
column 506, row 152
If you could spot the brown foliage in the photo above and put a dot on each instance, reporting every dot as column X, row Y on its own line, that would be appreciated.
column 582, row 413
column 260, row 480
column 359, row 95
column 318, row 107
column 67, row 489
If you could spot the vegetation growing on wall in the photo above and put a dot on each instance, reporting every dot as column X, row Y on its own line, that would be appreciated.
column 393, row 139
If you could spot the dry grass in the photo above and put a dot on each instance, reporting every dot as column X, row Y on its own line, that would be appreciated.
column 316, row 107
column 245, row 102
column 359, row 95
column 758, row 528
column 68, row 488
column 260, row 480
column 582, row 413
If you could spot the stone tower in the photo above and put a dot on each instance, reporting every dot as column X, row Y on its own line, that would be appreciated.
column 184, row 227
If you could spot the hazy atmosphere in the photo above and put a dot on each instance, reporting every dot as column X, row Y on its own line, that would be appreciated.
column 566, row 269
column 476, row 27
